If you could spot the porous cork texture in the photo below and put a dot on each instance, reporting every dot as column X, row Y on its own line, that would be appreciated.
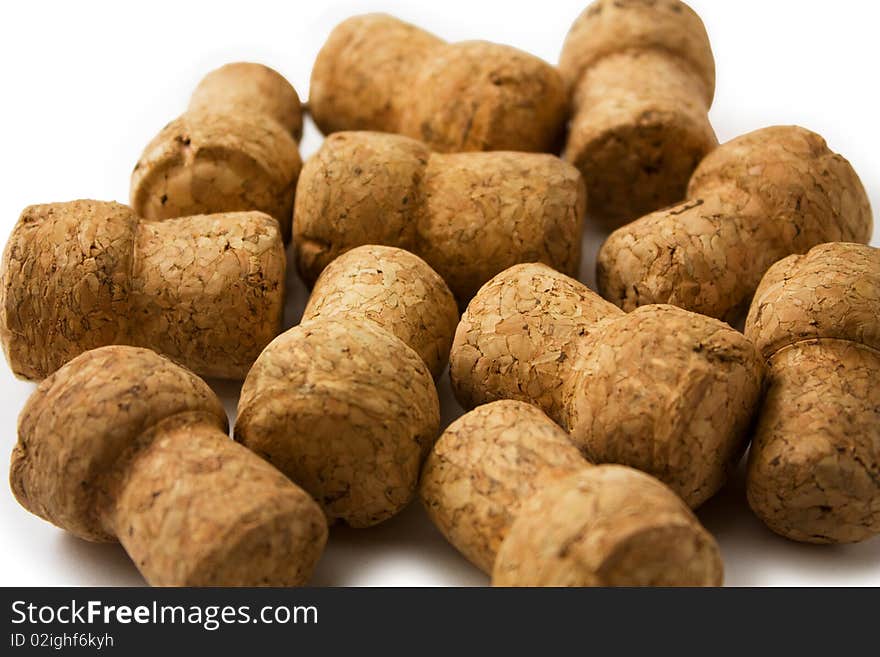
column 207, row 291
column 482, row 468
column 469, row 215
column 122, row 444
column 376, row 72
column 246, row 88
column 668, row 392
column 347, row 411
column 607, row 525
column 395, row 289
column 519, row 337
column 235, row 148
column 755, row 200
column 814, row 464
column 641, row 78
column 663, row 390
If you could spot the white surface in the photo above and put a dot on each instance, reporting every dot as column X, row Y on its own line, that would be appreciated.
column 86, row 85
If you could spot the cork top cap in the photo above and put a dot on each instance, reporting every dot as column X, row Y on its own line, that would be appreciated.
column 395, row 289
column 250, row 87
column 609, row 27
column 65, row 274
column 831, row 292
column 789, row 175
column 81, row 423
column 482, row 96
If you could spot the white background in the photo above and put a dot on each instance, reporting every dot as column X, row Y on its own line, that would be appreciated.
column 86, row 85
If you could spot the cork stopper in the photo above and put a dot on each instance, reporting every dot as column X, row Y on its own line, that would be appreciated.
column 234, row 149
column 362, row 77
column 376, row 72
column 641, row 78
column 831, row 292
column 607, row 28
column 345, row 404
column 248, row 88
column 484, row 466
column 813, row 466
column 358, row 188
column 663, row 390
column 481, row 96
column 469, row 215
column 668, row 392
column 519, row 336
column 122, row 443
column 753, row 201
column 395, row 289
column 607, row 526
column 207, row 291
column 347, row 411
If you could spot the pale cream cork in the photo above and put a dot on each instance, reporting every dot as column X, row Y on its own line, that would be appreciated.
column 469, row 215
column 753, row 201
column 207, row 291
column 122, row 444
column 607, row 526
column 814, row 464
column 234, row 149
column 376, row 72
column 641, row 78
column 663, row 390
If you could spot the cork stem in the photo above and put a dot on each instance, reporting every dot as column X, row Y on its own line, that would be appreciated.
column 193, row 508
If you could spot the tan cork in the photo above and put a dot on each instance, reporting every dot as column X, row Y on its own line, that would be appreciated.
column 345, row 404
column 122, row 444
column 484, row 466
column 398, row 291
column 376, row 72
column 664, row 390
column 753, row 201
column 607, row 526
column 469, row 215
column 234, row 149
column 814, row 464
column 207, row 291
column 641, row 77
column 668, row 392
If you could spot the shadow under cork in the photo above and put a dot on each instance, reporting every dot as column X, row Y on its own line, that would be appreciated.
column 296, row 292
column 405, row 549
column 97, row 564
column 774, row 559
column 591, row 241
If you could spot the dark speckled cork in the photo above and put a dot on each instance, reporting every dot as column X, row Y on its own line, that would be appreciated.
column 376, row 72
column 234, row 149
column 751, row 202
column 345, row 403
column 207, row 291
column 663, row 390
column 814, row 464
column 641, row 77
column 122, row 444
column 469, row 215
